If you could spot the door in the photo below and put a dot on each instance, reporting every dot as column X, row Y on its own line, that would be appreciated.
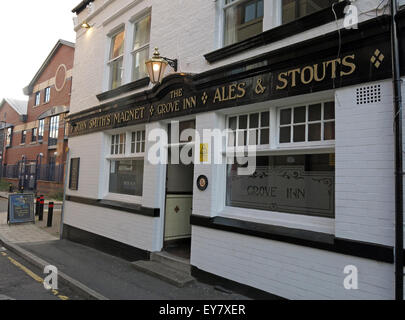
column 179, row 201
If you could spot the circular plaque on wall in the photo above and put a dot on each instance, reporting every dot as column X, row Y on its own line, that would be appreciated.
column 202, row 183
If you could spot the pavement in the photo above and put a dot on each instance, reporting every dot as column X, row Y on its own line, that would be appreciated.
column 115, row 278
column 88, row 273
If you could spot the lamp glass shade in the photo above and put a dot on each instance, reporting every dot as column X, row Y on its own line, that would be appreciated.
column 156, row 67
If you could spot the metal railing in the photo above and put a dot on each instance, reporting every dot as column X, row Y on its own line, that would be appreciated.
column 44, row 172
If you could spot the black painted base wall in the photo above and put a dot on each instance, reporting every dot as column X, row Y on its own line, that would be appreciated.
column 104, row 244
column 236, row 287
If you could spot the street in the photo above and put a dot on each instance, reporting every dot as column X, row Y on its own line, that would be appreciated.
column 19, row 280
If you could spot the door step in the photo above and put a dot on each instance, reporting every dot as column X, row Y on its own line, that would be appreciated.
column 176, row 277
column 171, row 261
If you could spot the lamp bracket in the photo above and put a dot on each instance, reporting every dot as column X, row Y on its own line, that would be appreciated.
column 172, row 62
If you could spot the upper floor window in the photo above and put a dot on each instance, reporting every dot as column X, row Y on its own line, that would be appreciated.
column 140, row 50
column 41, row 128
column 295, row 9
column 9, row 137
column 23, row 136
column 116, row 59
column 53, row 131
column 243, row 19
column 34, row 132
column 47, row 96
column 37, row 98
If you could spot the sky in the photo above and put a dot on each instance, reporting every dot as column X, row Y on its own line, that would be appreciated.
column 28, row 32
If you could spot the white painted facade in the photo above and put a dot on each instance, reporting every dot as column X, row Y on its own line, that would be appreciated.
column 364, row 148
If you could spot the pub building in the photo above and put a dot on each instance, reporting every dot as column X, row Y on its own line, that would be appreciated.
column 314, row 97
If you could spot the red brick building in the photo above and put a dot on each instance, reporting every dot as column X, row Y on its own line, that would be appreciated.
column 36, row 154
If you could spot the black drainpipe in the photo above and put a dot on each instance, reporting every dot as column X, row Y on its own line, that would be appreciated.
column 399, row 219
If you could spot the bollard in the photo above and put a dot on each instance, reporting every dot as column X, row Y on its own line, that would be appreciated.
column 37, row 206
column 22, row 189
column 50, row 214
column 10, row 188
column 41, row 208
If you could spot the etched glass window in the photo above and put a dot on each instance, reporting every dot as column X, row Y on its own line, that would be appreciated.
column 300, row 184
column 126, row 177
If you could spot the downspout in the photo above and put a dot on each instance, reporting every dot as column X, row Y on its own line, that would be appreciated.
column 399, row 219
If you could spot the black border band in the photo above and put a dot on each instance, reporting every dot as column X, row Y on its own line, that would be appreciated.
column 141, row 83
column 116, row 205
column 316, row 240
column 103, row 244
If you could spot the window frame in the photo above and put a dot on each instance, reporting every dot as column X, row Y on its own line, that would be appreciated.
column 41, row 129
column 34, row 134
column 111, row 61
column 127, row 155
column 53, row 130
column 224, row 8
column 47, row 94
column 37, row 99
column 23, row 137
column 238, row 115
column 9, row 137
column 133, row 51
column 134, row 143
column 300, row 221
column 306, row 143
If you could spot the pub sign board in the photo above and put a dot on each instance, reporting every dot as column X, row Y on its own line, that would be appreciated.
column 307, row 73
column 21, row 208
column 74, row 174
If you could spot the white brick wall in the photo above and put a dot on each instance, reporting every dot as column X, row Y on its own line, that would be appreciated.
column 182, row 29
column 365, row 195
column 132, row 229
column 289, row 271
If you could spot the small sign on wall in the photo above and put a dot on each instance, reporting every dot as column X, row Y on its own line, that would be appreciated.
column 74, row 174
column 21, row 208
column 203, row 152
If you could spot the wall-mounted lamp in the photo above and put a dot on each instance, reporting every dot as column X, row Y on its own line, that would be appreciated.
column 85, row 25
column 156, row 66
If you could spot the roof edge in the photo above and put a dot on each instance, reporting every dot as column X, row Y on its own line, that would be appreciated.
column 28, row 89
column 81, row 6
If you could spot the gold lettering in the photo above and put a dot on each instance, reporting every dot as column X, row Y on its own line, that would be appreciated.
column 334, row 63
column 311, row 75
column 316, row 75
column 282, row 80
column 217, row 97
column 241, row 89
column 346, row 63
column 293, row 76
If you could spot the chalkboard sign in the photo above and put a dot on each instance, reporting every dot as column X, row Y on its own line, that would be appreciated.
column 21, row 208
column 74, row 174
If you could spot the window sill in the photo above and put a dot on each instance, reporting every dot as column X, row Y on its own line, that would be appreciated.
column 287, row 220
column 123, row 198
column 144, row 82
column 282, row 150
column 278, row 33
column 116, row 205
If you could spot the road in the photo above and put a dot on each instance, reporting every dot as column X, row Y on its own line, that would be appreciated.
column 19, row 280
